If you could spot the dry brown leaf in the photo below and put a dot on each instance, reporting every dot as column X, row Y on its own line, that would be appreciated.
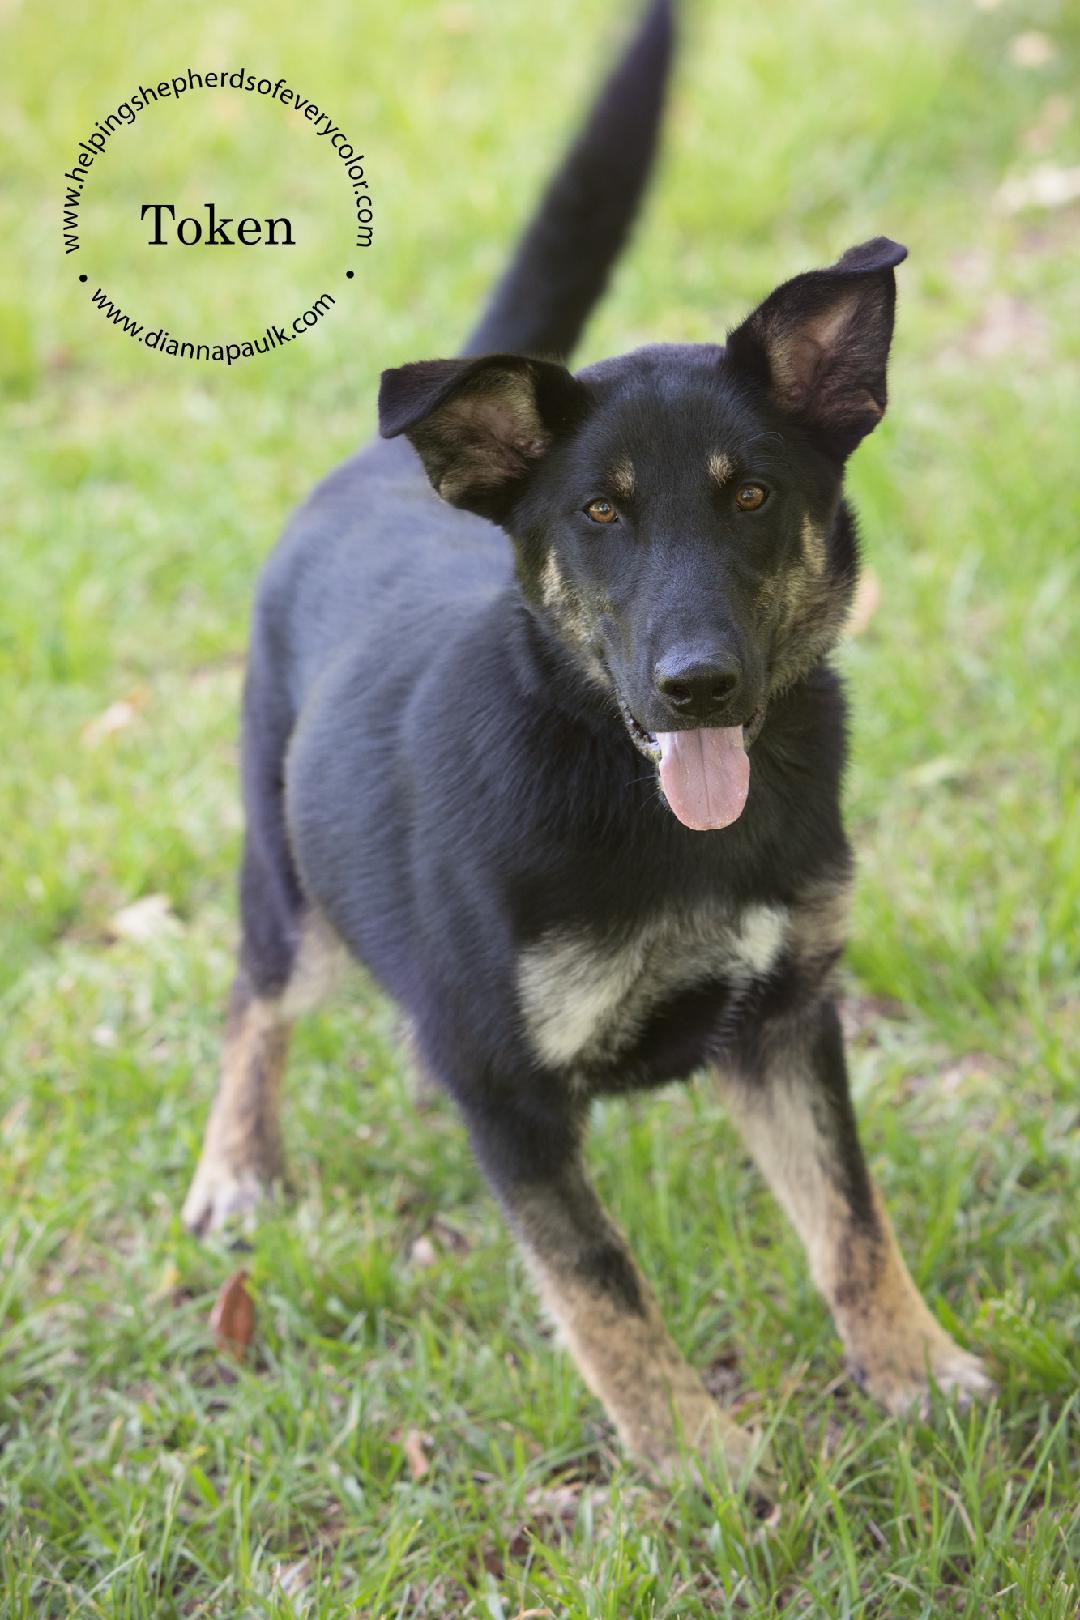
column 457, row 19
column 1048, row 185
column 117, row 717
column 293, row 1578
column 1032, row 49
column 449, row 1237
column 414, row 1446
column 144, row 920
column 1053, row 118
column 15, row 1119
column 166, row 1283
column 232, row 1319
column 1006, row 323
column 424, row 1253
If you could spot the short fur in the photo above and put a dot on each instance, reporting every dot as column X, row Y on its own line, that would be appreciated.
column 448, row 748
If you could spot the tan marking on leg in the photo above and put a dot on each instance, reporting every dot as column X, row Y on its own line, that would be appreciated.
column 652, row 1395
column 818, row 926
column 622, row 478
column 242, row 1159
column 720, row 467
column 321, row 963
column 892, row 1340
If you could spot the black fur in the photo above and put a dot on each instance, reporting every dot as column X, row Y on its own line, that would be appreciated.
column 439, row 743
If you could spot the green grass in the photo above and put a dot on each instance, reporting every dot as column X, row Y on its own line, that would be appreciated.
column 141, row 1475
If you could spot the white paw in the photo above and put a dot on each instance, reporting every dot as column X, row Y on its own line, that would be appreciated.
column 220, row 1196
column 965, row 1376
column 952, row 1370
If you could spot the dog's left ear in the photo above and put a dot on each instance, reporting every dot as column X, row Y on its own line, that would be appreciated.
column 480, row 426
column 820, row 344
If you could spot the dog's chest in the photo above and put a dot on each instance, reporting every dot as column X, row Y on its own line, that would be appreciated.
column 585, row 996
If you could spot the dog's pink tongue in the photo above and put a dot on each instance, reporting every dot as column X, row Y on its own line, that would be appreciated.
column 705, row 775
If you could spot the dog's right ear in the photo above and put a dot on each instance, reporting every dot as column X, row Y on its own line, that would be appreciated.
column 480, row 426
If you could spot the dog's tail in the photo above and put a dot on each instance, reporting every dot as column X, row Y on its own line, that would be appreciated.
column 562, row 263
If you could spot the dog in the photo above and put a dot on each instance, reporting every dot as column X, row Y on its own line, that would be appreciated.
column 556, row 752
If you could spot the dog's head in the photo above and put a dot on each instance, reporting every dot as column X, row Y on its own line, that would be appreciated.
column 676, row 512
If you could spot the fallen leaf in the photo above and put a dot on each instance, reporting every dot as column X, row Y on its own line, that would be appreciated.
column 168, row 1280
column 293, row 1578
column 144, row 920
column 1053, row 117
column 414, row 1447
column 1031, row 49
column 14, row 1120
column 232, row 1319
column 457, row 19
column 424, row 1253
column 1007, row 322
column 449, row 1237
column 115, row 718
column 1048, row 185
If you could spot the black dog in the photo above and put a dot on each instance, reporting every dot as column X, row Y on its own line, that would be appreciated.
column 559, row 760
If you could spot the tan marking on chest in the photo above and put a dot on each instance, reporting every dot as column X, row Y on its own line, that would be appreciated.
column 584, row 998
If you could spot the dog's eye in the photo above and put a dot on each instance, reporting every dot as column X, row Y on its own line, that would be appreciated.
column 601, row 512
column 750, row 496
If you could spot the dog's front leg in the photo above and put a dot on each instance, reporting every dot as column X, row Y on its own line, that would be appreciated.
column 790, row 1099
column 603, row 1307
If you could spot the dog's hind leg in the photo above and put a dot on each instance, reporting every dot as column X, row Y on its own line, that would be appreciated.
column 604, row 1309
column 286, row 962
column 242, row 1160
column 792, row 1105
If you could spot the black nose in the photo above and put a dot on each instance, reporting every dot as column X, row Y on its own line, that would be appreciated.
column 698, row 686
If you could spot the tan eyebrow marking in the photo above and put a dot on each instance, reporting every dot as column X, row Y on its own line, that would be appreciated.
column 720, row 466
column 622, row 477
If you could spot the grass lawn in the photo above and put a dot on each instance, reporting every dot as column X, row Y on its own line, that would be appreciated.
column 142, row 1474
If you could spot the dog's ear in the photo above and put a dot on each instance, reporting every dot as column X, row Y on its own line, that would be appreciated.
column 480, row 426
column 820, row 344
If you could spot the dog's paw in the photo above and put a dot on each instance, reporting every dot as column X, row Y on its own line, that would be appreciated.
column 903, row 1384
column 714, row 1449
column 745, row 1461
column 221, row 1197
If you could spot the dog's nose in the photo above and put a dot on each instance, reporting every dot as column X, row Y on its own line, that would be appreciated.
column 698, row 686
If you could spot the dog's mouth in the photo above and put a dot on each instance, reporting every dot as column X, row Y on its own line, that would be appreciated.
column 705, row 772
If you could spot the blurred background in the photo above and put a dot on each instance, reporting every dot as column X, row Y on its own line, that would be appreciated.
column 140, row 496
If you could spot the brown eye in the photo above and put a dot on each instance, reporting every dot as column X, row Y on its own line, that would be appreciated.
column 749, row 497
column 601, row 512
